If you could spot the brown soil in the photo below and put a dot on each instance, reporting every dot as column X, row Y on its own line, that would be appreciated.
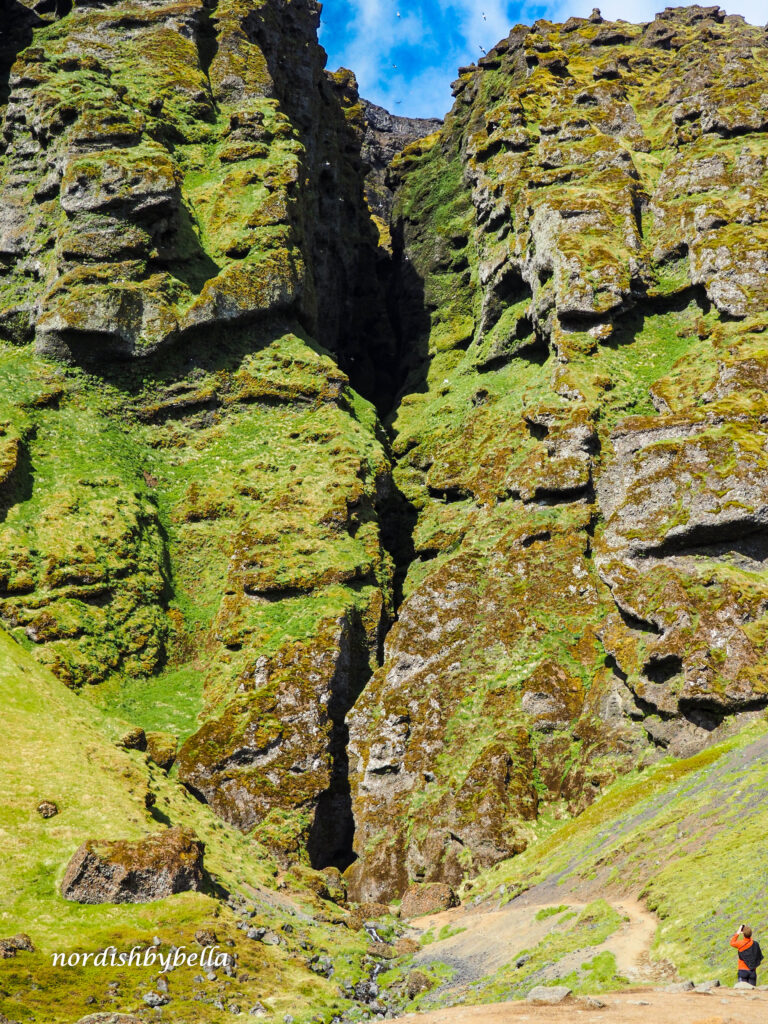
column 725, row 1006
column 490, row 939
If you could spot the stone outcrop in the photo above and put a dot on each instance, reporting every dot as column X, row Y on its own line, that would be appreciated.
column 578, row 265
column 142, row 206
column 429, row 898
column 386, row 136
column 109, row 1018
column 20, row 943
column 120, row 871
column 392, row 645
column 276, row 748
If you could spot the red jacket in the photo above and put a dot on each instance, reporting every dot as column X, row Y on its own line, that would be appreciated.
column 739, row 943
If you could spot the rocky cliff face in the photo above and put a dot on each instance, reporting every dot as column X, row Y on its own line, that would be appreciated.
column 565, row 517
column 581, row 275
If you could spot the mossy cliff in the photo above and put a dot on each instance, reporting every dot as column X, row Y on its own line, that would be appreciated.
column 410, row 533
column 581, row 259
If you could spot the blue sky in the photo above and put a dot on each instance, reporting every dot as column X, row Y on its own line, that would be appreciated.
column 405, row 52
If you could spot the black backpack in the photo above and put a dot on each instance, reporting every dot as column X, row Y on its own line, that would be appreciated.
column 752, row 956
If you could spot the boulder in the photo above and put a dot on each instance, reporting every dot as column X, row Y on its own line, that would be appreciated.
column 428, row 898
column 366, row 912
column 416, row 983
column 108, row 1018
column 707, row 986
column 679, row 986
column 406, row 946
column 206, row 937
column 546, row 995
column 134, row 739
column 382, row 950
column 161, row 748
column 20, row 943
column 135, row 872
column 47, row 809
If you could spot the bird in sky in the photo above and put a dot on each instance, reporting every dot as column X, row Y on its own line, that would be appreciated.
column 484, row 51
column 484, row 17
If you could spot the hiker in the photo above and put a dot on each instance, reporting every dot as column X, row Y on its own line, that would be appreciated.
column 750, row 954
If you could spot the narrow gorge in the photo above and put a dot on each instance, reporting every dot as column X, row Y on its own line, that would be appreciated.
column 407, row 479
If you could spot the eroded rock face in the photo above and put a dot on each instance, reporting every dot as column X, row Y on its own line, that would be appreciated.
column 183, row 213
column 581, row 439
column 142, row 206
column 387, row 135
column 135, row 872
column 276, row 748
column 573, row 503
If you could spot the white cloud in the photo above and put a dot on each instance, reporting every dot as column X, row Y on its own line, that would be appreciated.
column 431, row 38
column 755, row 11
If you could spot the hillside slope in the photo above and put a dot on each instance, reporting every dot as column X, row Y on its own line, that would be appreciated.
column 58, row 749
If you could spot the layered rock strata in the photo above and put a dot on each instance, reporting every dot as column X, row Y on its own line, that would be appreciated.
column 580, row 437
column 565, row 518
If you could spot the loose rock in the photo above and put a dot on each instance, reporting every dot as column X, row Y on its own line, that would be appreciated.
column 544, row 995
column 428, row 898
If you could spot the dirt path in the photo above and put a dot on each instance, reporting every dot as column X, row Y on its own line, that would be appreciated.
column 724, row 1006
column 489, row 939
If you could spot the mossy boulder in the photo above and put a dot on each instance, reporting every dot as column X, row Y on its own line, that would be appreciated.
column 428, row 898
column 120, row 871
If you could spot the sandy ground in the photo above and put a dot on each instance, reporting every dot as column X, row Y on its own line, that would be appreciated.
column 490, row 939
column 724, row 1006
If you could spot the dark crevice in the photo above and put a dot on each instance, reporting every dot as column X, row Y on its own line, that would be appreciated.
column 633, row 621
column 330, row 842
column 660, row 669
column 543, row 536
column 704, row 719
column 207, row 41
column 742, row 539
column 564, row 495
column 18, row 485
column 611, row 663
column 449, row 494
column 17, row 23
column 427, row 554
column 537, row 430
column 713, row 707
column 508, row 290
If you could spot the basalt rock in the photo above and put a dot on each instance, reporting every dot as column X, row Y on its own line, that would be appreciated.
column 162, row 748
column 20, row 943
column 109, row 1018
column 429, row 898
column 387, row 135
column 135, row 872
column 564, row 322
column 199, row 191
column 579, row 254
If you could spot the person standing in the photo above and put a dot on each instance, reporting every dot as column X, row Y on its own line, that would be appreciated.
column 750, row 954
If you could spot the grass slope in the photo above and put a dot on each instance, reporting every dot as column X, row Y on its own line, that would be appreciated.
column 685, row 836
column 65, row 750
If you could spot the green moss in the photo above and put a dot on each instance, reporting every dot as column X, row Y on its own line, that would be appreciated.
column 591, row 927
